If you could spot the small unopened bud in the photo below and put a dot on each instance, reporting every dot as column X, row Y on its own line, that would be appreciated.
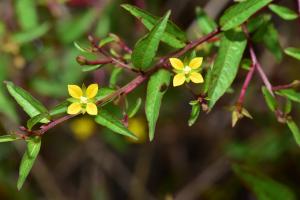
column 81, row 60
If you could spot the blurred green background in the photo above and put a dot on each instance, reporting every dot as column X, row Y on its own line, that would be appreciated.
column 257, row 159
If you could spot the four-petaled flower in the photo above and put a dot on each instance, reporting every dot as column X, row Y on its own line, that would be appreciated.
column 83, row 99
column 188, row 72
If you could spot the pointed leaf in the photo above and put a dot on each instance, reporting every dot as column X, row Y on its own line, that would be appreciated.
column 172, row 36
column 36, row 119
column 8, row 138
column 226, row 65
column 135, row 108
column 270, row 100
column 206, row 24
column 32, row 151
column 194, row 114
column 240, row 12
column 145, row 49
column 283, row 12
column 107, row 120
column 290, row 94
column 156, row 88
column 295, row 130
column 293, row 52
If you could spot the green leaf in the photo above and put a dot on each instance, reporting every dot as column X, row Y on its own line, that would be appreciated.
column 226, row 65
column 269, row 98
column 145, row 49
column 36, row 119
column 8, row 138
column 107, row 120
column 84, row 50
column 206, row 24
column 32, row 34
column 91, row 68
column 33, row 148
column 293, row 52
column 70, row 30
column 290, row 94
column 262, row 186
column 103, row 92
column 107, row 40
column 29, row 104
column 26, row 13
column 295, row 130
column 114, row 76
column 240, row 12
column 172, row 36
column 195, row 113
column 283, row 12
column 60, row 108
column 135, row 108
column 256, row 22
column 157, row 86
column 268, row 34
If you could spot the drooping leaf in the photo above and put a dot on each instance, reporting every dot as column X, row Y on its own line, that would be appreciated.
column 290, row 94
column 145, row 49
column 29, row 104
column 293, row 52
column 157, row 86
column 269, row 98
column 226, row 65
column 240, row 12
column 32, row 151
column 36, row 119
column 172, row 36
column 194, row 113
column 8, row 138
column 283, row 12
column 135, row 108
column 26, row 13
column 82, row 49
column 263, row 187
column 32, row 34
column 206, row 24
column 114, row 76
column 294, row 129
column 268, row 34
column 107, row 120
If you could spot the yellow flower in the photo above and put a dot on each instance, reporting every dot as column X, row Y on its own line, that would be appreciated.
column 188, row 72
column 137, row 126
column 82, row 99
column 83, row 128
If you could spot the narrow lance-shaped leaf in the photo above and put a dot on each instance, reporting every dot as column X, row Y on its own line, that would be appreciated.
column 226, row 65
column 36, row 119
column 240, row 12
column 107, row 120
column 263, row 187
column 135, row 108
column 8, row 138
column 270, row 100
column 26, row 13
column 172, row 36
column 156, row 88
column 294, row 129
column 293, row 52
column 206, row 24
column 32, row 151
column 283, row 12
column 32, row 34
column 29, row 104
column 145, row 49
column 194, row 113
column 290, row 94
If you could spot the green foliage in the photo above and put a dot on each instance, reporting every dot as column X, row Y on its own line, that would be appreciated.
column 293, row 52
column 173, row 36
column 294, row 129
column 27, row 14
column 206, row 24
column 114, row 76
column 29, row 104
column 262, row 186
column 107, row 120
column 194, row 113
column 8, row 138
column 290, row 94
column 269, row 98
column 240, row 12
column 283, row 12
column 32, row 151
column 32, row 34
column 59, row 109
column 36, row 119
column 157, row 86
column 135, row 108
column 226, row 65
column 145, row 49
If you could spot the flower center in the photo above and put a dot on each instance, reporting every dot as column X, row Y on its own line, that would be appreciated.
column 83, row 99
column 187, row 69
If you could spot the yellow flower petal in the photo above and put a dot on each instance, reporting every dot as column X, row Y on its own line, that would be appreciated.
column 176, row 63
column 196, row 62
column 91, row 109
column 196, row 77
column 75, row 91
column 178, row 79
column 74, row 108
column 92, row 91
